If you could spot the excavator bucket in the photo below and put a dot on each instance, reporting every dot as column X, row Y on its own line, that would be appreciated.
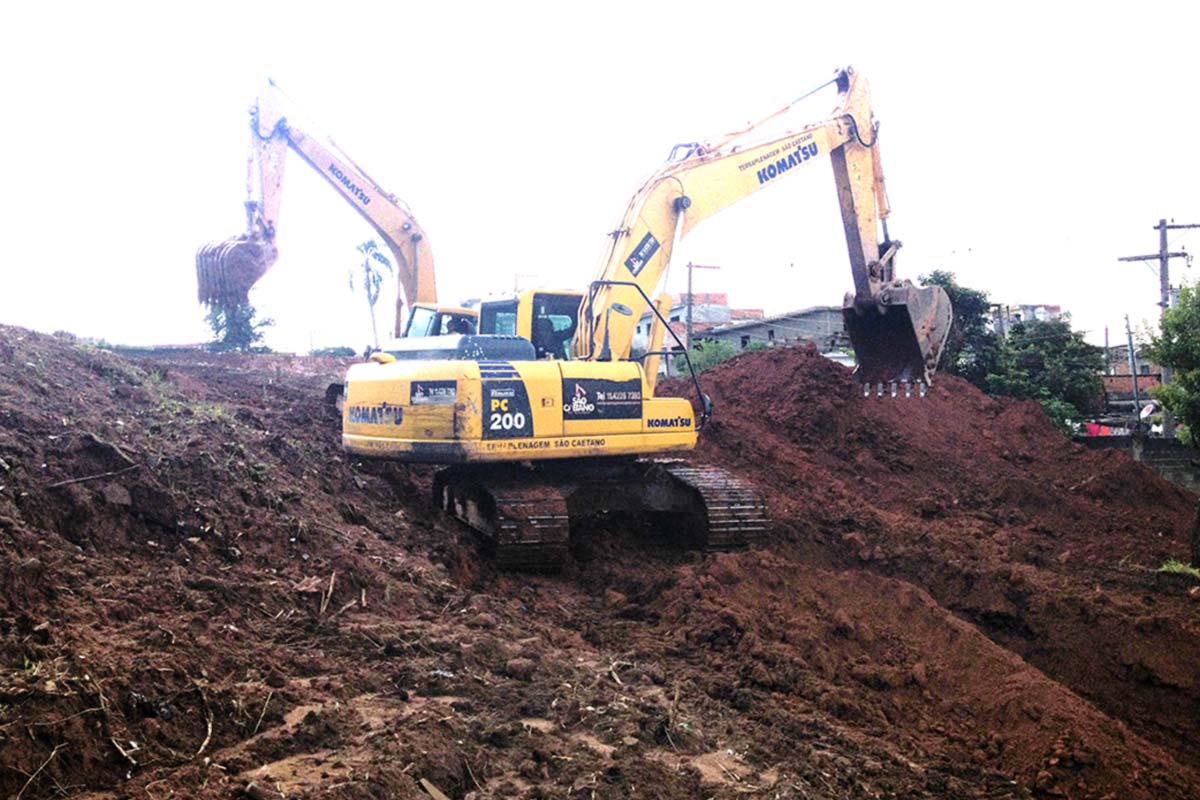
column 898, row 334
column 226, row 270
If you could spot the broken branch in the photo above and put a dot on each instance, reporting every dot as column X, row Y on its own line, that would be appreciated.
column 38, row 771
column 86, row 478
column 266, row 703
column 208, row 719
column 328, row 594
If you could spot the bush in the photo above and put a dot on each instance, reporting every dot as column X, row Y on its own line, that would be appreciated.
column 707, row 353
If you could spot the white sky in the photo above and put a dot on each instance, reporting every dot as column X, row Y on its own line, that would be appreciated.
column 1026, row 147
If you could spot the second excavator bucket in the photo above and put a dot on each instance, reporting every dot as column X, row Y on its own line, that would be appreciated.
column 226, row 270
column 899, row 333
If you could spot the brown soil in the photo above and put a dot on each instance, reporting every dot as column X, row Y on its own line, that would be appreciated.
column 955, row 602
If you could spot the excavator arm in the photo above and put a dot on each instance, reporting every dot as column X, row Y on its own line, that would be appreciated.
column 226, row 270
column 711, row 176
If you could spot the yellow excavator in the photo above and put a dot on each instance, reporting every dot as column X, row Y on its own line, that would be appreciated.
column 545, row 417
column 226, row 270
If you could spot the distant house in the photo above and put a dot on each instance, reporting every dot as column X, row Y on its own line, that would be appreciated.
column 1005, row 316
column 713, row 318
column 709, row 310
column 819, row 325
column 1118, row 380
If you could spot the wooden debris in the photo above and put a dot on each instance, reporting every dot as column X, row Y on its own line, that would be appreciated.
column 86, row 478
column 257, row 791
column 208, row 720
column 329, row 594
column 38, row 771
column 433, row 791
column 263, row 713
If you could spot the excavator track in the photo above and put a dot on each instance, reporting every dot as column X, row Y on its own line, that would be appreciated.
column 524, row 513
column 525, row 522
column 734, row 512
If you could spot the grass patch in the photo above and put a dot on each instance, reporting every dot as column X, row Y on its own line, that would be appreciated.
column 1174, row 567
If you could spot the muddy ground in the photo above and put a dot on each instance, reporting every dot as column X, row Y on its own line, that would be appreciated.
column 200, row 593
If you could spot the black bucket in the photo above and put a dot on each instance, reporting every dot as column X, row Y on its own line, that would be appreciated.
column 898, row 334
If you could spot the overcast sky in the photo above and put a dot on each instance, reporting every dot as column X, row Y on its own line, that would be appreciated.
column 1026, row 148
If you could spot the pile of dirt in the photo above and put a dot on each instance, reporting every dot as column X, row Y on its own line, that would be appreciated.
column 1046, row 547
column 200, row 591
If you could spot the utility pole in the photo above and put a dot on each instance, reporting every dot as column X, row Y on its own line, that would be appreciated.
column 1163, row 257
column 1137, row 401
column 1107, row 357
column 691, row 267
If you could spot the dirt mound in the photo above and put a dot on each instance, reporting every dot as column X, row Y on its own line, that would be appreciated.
column 1049, row 548
column 198, row 590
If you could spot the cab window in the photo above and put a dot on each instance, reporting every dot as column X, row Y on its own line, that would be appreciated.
column 499, row 318
column 555, row 319
column 421, row 322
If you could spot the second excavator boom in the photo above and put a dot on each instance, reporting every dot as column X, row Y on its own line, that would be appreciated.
column 227, row 269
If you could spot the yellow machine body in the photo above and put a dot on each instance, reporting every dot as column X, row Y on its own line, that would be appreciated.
column 458, row 411
column 530, row 416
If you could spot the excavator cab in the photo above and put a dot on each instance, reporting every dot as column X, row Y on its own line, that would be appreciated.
column 547, row 318
column 427, row 319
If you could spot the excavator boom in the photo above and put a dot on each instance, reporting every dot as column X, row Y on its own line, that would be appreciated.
column 226, row 270
column 897, row 329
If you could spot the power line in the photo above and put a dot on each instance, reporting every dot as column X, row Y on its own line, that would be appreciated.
column 1163, row 257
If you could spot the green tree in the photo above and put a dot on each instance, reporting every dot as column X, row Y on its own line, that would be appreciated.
column 235, row 328
column 972, row 350
column 1048, row 362
column 1177, row 345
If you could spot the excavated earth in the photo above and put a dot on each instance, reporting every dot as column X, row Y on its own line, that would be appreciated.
column 201, row 596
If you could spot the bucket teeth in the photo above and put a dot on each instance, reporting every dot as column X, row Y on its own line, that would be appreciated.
column 896, row 388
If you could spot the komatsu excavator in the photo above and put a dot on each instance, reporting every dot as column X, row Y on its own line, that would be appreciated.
column 548, row 418
column 226, row 270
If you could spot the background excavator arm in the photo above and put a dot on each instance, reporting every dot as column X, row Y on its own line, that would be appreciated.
column 226, row 270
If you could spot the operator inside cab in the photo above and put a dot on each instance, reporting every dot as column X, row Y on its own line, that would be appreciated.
column 552, row 318
column 462, row 325
column 551, row 340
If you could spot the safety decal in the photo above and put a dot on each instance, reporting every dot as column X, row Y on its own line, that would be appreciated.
column 433, row 393
column 642, row 254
